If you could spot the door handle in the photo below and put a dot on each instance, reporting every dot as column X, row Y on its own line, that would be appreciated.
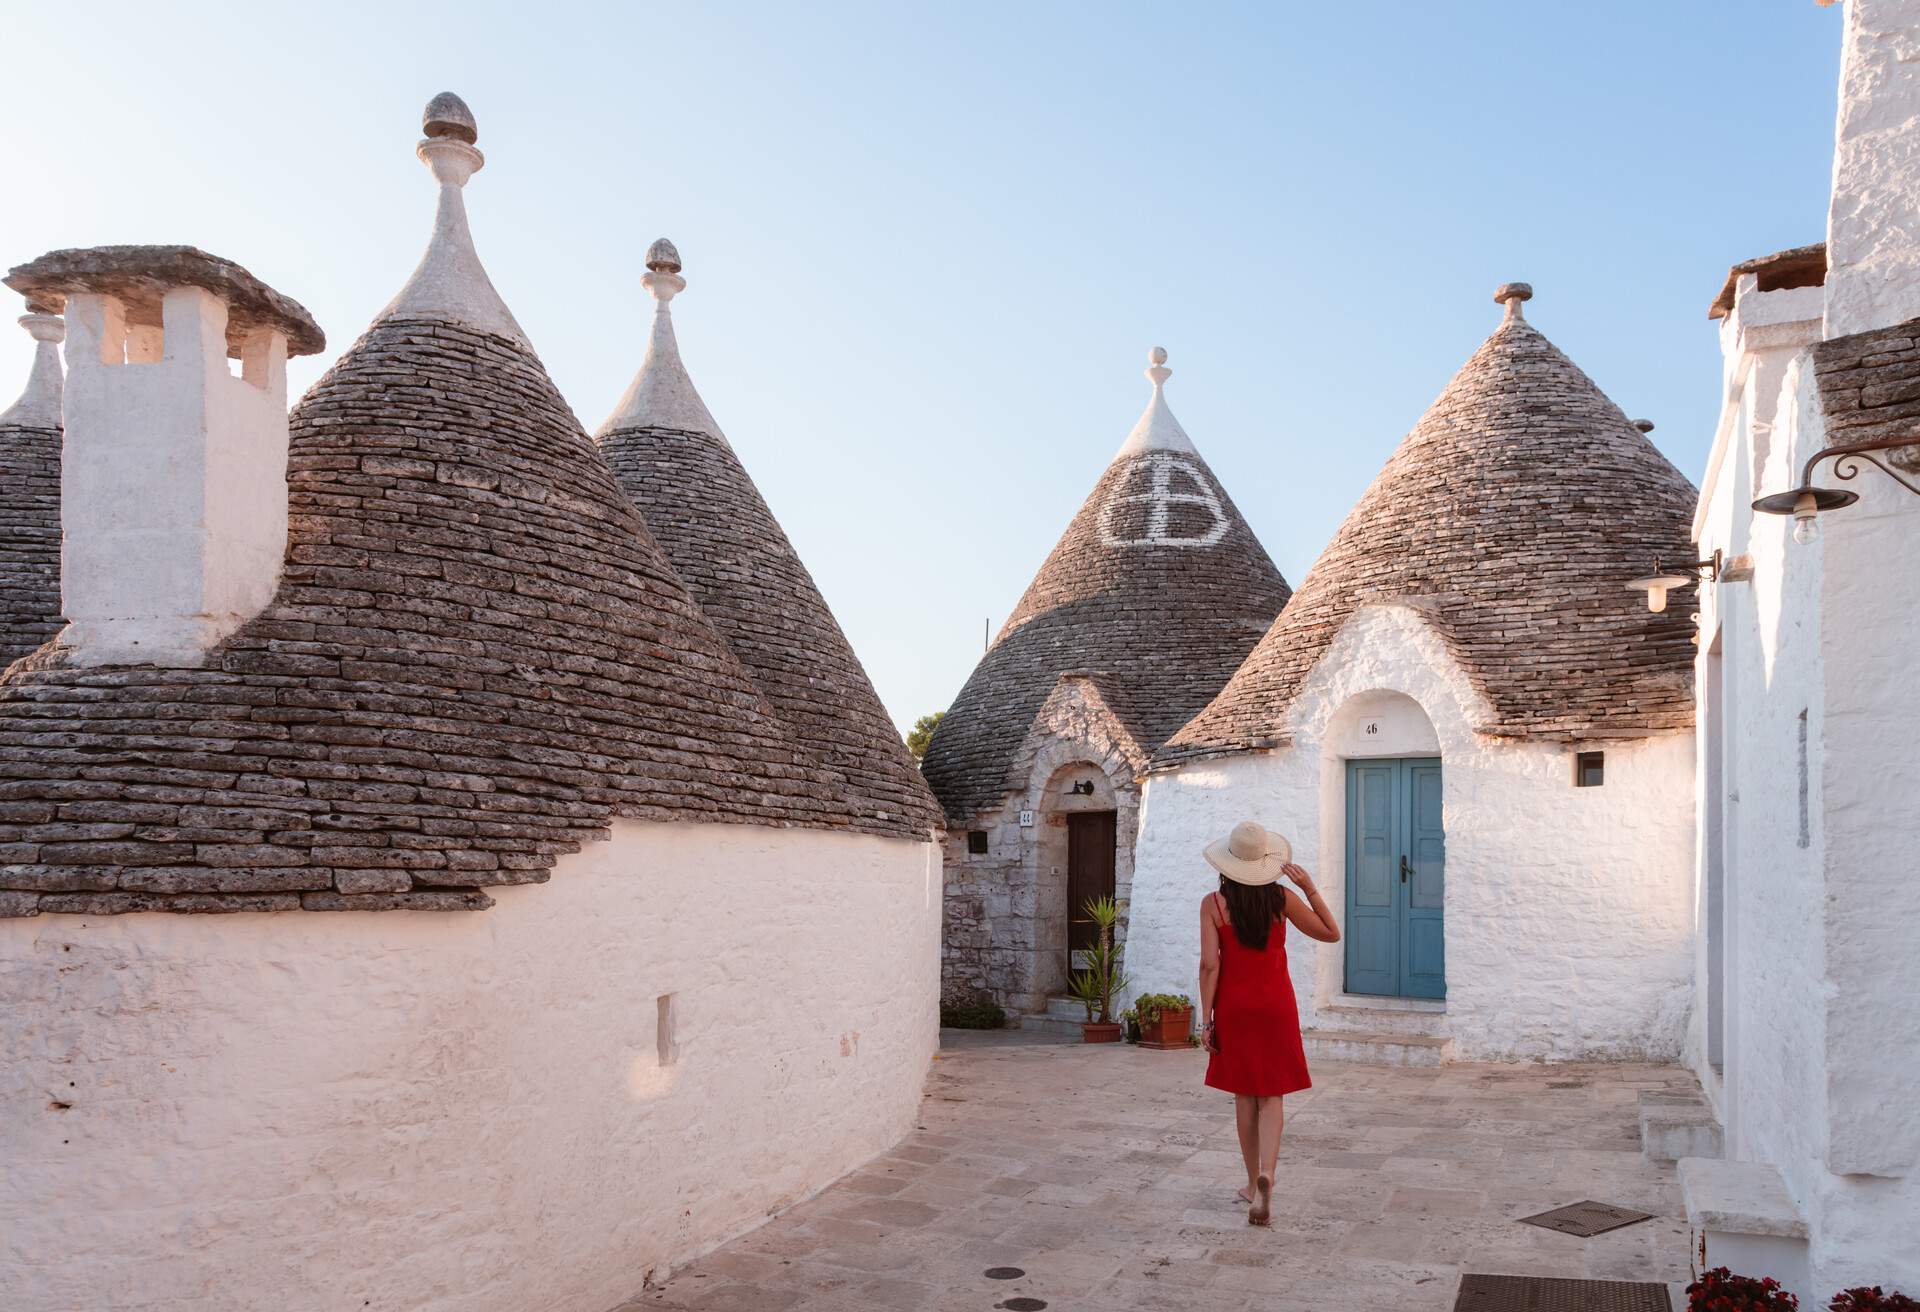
column 1405, row 870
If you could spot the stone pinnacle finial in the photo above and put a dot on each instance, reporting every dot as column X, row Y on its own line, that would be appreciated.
column 662, row 257
column 1157, row 365
column 39, row 405
column 1644, row 425
column 662, row 394
column 448, row 116
column 1511, row 294
column 451, row 284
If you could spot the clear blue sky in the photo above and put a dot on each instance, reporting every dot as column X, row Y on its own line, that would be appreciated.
column 929, row 246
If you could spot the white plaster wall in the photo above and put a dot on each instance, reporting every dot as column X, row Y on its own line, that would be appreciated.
column 1873, row 224
column 1569, row 910
column 430, row 1111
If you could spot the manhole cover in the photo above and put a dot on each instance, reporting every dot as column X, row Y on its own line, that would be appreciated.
column 1537, row 1294
column 1585, row 1220
column 1023, row 1304
column 1004, row 1273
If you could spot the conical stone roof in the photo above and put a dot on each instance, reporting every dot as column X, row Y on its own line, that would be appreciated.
column 1158, row 589
column 1513, row 515
column 30, row 499
column 723, row 540
column 478, row 655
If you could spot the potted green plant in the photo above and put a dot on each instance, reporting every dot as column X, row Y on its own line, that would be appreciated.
column 1166, row 1020
column 1094, row 985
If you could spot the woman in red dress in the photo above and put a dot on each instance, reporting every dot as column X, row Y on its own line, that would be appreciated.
column 1248, row 1017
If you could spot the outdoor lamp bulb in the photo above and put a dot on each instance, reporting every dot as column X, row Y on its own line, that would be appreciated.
column 1656, row 599
column 1806, row 524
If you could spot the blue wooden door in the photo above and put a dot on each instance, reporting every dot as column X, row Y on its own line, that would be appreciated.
column 1396, row 879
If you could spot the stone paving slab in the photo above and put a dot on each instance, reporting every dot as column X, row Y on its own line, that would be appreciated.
column 1108, row 1175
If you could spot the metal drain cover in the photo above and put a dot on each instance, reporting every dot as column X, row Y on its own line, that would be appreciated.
column 1537, row 1294
column 1003, row 1273
column 1585, row 1220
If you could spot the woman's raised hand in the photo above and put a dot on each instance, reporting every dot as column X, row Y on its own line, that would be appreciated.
column 1299, row 875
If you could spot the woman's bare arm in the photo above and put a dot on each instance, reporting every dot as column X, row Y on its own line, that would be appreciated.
column 1309, row 912
column 1209, row 964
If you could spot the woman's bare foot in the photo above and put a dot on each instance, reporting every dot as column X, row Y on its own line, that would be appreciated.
column 1261, row 1213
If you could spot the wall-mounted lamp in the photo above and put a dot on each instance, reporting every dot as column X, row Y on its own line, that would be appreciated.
column 1082, row 789
column 1659, row 583
column 1807, row 501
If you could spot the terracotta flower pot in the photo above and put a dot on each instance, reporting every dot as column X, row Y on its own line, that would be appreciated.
column 1094, row 1031
column 1170, row 1029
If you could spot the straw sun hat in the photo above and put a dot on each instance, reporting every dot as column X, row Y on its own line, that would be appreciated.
column 1250, row 854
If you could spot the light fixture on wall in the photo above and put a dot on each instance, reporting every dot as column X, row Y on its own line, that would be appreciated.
column 1807, row 501
column 1659, row 583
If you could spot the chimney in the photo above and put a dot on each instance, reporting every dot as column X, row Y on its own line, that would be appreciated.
column 173, row 470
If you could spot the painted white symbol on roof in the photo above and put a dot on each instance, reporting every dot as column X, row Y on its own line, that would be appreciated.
column 1160, row 497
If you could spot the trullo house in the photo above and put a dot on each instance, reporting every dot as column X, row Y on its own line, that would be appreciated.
column 385, row 826
column 1474, row 734
column 1150, row 600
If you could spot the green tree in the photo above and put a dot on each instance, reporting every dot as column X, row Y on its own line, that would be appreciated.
column 921, row 734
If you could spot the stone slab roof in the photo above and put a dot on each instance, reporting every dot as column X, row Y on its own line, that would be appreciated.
column 723, row 540
column 1158, row 584
column 477, row 656
column 1800, row 266
column 29, row 538
column 140, row 276
column 1513, row 514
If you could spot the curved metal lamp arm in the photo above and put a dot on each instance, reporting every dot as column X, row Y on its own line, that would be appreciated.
column 1847, row 456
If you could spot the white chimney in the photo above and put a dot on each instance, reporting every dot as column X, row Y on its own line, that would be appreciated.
column 173, row 470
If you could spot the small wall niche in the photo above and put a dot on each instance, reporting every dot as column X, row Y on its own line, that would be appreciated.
column 976, row 842
column 1589, row 769
column 667, row 1028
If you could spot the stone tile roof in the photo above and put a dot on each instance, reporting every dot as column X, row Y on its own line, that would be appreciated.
column 718, row 532
column 1800, row 266
column 1513, row 514
column 1870, row 388
column 30, row 499
column 478, row 654
column 29, row 538
column 1158, row 584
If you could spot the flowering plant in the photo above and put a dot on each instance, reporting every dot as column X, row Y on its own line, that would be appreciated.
column 1719, row 1290
column 1870, row 1299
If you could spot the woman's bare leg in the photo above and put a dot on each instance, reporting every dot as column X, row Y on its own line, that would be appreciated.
column 1267, row 1131
column 1247, row 1121
column 1271, row 1120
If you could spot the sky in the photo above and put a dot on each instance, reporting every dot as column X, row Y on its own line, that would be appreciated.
column 929, row 246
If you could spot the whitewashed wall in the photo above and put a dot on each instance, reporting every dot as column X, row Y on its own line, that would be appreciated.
column 460, row 1111
column 1568, row 910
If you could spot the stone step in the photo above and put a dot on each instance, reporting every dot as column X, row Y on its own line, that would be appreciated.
column 1670, row 1131
column 1060, row 1008
column 1374, row 1049
column 1356, row 1018
column 1047, row 1022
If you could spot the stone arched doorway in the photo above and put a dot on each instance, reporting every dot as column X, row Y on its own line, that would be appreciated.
column 1083, row 847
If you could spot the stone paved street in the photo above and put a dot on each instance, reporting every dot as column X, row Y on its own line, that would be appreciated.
column 1108, row 1176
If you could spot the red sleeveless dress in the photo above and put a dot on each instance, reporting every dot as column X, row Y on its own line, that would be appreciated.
column 1255, row 1019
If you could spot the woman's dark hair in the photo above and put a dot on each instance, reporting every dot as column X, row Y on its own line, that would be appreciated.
column 1253, row 908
